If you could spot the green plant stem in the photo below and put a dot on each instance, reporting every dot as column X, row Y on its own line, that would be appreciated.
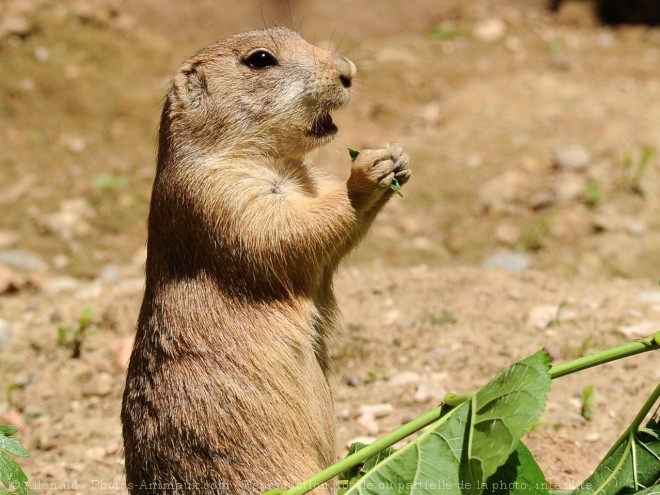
column 637, row 421
column 365, row 453
column 651, row 343
column 643, row 345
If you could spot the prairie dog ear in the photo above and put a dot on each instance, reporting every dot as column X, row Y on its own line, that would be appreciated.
column 190, row 84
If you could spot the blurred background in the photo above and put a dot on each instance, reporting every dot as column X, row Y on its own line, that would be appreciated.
column 533, row 129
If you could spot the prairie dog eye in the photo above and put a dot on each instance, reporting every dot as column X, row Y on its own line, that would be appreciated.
column 260, row 59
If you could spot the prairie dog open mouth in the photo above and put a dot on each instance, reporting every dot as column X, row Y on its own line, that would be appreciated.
column 323, row 126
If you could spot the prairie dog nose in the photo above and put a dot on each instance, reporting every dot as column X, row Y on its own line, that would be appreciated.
column 347, row 71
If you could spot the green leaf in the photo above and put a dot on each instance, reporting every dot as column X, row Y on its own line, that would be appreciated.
column 7, row 430
column 634, row 466
column 481, row 433
column 353, row 153
column 12, row 446
column 348, row 478
column 519, row 475
column 502, row 412
column 11, row 475
column 396, row 187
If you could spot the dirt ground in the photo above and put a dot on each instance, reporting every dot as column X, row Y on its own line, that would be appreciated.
column 533, row 141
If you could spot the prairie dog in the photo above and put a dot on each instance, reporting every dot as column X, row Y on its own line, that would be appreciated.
column 227, row 389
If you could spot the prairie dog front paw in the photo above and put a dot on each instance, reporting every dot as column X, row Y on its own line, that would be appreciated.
column 373, row 173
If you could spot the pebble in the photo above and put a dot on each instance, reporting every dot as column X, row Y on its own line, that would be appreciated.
column 592, row 437
column 502, row 190
column 74, row 144
column 95, row 454
column 70, row 220
column 369, row 424
column 353, row 380
column 570, row 187
column 572, row 157
column 7, row 238
column 99, row 385
column 490, row 30
column 22, row 260
column 641, row 329
column 403, row 378
column 429, row 391
column 507, row 233
column 9, row 281
column 541, row 317
column 15, row 26
column 5, row 333
column 509, row 261
column 57, row 285
column 651, row 298
column 109, row 274
column 377, row 410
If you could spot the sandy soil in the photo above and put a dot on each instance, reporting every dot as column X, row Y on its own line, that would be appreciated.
column 530, row 135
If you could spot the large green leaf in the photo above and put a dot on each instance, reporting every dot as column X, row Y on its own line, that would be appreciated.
column 502, row 412
column 634, row 466
column 482, row 433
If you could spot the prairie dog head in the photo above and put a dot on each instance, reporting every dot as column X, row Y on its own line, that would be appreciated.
column 266, row 91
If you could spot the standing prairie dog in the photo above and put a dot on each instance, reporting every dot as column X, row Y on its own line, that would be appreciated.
column 227, row 386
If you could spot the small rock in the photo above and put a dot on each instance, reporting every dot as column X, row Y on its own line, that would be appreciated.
column 7, row 238
column 570, row 187
column 508, row 261
column 41, row 54
column 74, row 144
column 541, row 317
column 429, row 391
column 46, row 442
column 9, row 281
column 95, row 454
column 403, row 378
column 369, row 424
column 542, row 200
column 377, row 410
column 121, row 352
column 391, row 317
column 507, row 233
column 635, row 228
column 651, row 298
column 572, row 158
column 109, row 274
column 14, row 418
column 70, row 220
column 503, row 189
column 15, row 26
column 642, row 329
column 23, row 260
column 57, row 285
column 100, row 385
column 592, row 437
column 490, row 30
column 5, row 333
column 353, row 380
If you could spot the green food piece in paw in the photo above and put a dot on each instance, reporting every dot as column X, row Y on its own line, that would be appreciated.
column 354, row 154
column 396, row 187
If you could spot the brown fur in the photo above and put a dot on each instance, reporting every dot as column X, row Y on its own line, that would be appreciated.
column 227, row 386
